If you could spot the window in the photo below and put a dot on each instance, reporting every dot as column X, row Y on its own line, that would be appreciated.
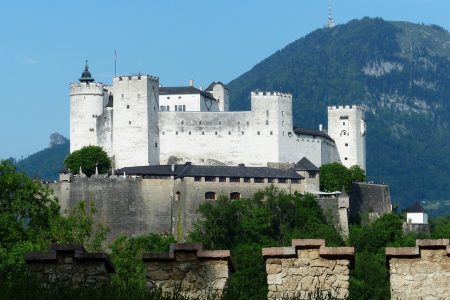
column 210, row 179
column 295, row 180
column 197, row 178
column 235, row 195
column 271, row 133
column 259, row 133
column 176, row 132
column 203, row 133
column 163, row 133
column 220, row 122
column 128, row 107
column 346, row 158
column 259, row 180
column 210, row 196
column 184, row 107
column 267, row 122
column 312, row 174
column 229, row 132
column 246, row 180
column 182, row 122
column 343, row 123
column 270, row 180
column 189, row 133
column 267, row 112
column 129, row 122
column 242, row 133
column 346, row 144
column 235, row 179
column 281, row 180
column 222, row 179
column 168, row 97
column 178, row 196
column 156, row 145
column 215, row 133
column 199, row 122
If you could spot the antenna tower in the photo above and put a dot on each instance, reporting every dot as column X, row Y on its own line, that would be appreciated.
column 330, row 23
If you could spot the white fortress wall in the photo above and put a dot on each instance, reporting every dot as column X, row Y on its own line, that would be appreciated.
column 105, row 130
column 222, row 95
column 226, row 138
column 86, row 103
column 135, row 126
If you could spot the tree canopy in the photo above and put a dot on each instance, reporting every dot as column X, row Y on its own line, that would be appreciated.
column 88, row 158
column 334, row 176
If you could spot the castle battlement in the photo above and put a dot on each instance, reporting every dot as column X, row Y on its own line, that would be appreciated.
column 136, row 77
column 271, row 94
column 346, row 107
column 84, row 87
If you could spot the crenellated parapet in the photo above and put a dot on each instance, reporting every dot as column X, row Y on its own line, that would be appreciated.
column 271, row 94
column 136, row 77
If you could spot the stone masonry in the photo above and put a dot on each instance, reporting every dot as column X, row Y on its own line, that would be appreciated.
column 187, row 268
column 69, row 266
column 421, row 272
column 308, row 270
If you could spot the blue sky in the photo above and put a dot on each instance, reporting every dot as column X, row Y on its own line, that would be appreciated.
column 44, row 44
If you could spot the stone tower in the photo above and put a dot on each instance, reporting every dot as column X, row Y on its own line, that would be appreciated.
column 86, row 103
column 135, row 126
column 347, row 127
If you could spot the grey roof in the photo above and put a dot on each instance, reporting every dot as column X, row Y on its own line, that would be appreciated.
column 312, row 132
column 184, row 90
column 416, row 207
column 305, row 164
column 189, row 170
column 211, row 86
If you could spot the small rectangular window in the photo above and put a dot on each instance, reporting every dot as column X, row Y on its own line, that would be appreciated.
column 295, row 180
column 246, row 180
column 346, row 144
column 128, row 107
column 235, row 179
column 258, row 180
column 271, row 133
column 281, row 180
column 210, row 179
column 222, row 179
column 129, row 122
column 267, row 122
column 197, row 178
column 259, row 133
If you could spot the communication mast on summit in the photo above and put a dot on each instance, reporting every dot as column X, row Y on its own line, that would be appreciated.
column 330, row 22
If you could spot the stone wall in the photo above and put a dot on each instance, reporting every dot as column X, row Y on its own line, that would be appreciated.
column 421, row 272
column 369, row 198
column 188, row 268
column 70, row 266
column 308, row 268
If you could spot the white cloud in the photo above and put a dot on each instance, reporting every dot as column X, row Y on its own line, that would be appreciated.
column 27, row 60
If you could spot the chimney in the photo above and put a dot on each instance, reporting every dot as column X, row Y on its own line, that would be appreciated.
column 320, row 127
column 191, row 82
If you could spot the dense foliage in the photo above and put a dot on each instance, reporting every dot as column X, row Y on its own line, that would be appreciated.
column 269, row 218
column 334, row 177
column 408, row 118
column 88, row 158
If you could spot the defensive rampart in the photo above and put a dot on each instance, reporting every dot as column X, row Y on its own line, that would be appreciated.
column 308, row 269
column 70, row 266
column 421, row 272
column 188, row 268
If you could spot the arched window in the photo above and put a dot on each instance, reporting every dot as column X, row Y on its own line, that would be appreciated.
column 344, row 132
column 210, row 196
column 235, row 196
column 178, row 196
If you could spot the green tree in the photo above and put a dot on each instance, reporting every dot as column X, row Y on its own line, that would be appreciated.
column 88, row 158
column 26, row 207
column 441, row 228
column 334, row 176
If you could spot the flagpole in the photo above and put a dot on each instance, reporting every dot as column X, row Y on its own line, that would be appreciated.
column 115, row 63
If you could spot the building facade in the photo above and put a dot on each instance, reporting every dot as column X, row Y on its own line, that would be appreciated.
column 139, row 123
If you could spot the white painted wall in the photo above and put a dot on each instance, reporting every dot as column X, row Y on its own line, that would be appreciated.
column 86, row 103
column 191, row 102
column 221, row 94
column 346, row 126
column 417, row 218
column 135, row 126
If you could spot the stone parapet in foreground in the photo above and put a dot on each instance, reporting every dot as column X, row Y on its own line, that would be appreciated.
column 306, row 268
column 421, row 272
column 195, row 272
column 70, row 266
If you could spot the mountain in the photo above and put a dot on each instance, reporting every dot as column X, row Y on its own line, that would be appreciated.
column 46, row 163
column 398, row 70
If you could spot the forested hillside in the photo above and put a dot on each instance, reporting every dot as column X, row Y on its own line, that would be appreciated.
column 400, row 71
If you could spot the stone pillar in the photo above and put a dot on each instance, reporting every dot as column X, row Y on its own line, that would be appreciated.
column 421, row 272
column 308, row 270
column 195, row 272
column 70, row 266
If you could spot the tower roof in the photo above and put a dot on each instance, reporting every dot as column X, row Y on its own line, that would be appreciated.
column 416, row 208
column 86, row 75
column 305, row 165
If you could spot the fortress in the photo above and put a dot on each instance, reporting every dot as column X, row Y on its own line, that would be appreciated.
column 174, row 148
column 140, row 123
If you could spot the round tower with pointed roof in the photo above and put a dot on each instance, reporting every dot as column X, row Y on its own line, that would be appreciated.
column 87, row 101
